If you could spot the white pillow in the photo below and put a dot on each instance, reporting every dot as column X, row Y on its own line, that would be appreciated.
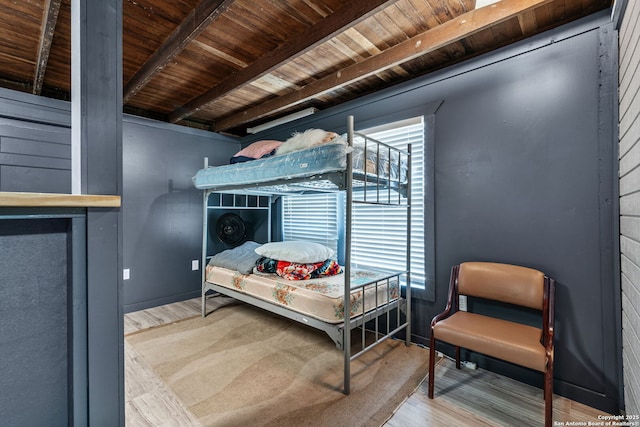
column 295, row 251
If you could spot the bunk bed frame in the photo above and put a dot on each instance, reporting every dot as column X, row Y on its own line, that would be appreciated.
column 373, row 189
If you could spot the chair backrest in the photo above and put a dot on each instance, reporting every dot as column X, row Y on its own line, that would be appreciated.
column 502, row 282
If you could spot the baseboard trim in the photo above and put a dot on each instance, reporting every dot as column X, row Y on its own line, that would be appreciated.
column 160, row 301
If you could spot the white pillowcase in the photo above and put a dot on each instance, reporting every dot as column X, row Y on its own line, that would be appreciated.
column 295, row 251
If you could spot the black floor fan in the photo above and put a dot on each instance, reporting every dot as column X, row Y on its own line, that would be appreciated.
column 231, row 229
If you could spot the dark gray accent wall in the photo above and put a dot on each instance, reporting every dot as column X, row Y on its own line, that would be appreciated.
column 32, row 108
column 523, row 182
column 524, row 163
column 163, row 210
column 34, row 157
column 35, row 144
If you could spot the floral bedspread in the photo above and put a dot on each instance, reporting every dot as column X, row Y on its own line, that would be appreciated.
column 321, row 298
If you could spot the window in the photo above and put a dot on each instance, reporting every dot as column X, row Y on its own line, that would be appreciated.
column 319, row 218
column 371, row 222
column 312, row 217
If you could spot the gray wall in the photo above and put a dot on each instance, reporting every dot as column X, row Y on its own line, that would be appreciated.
column 162, row 209
column 524, row 174
column 630, row 203
column 35, row 144
column 528, row 180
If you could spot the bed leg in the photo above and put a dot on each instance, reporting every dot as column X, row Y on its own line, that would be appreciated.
column 407, row 340
column 203, row 304
column 432, row 362
column 347, row 377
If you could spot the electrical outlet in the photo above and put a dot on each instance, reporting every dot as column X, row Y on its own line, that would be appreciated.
column 470, row 365
column 125, row 274
column 195, row 265
column 462, row 302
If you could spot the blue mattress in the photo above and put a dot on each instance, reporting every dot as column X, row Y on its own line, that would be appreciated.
column 298, row 164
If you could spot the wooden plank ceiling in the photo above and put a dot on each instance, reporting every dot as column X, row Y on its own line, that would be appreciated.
column 225, row 65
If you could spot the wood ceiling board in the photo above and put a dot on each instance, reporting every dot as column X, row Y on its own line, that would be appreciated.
column 271, row 84
column 445, row 10
column 274, row 26
column 231, row 66
column 17, row 52
column 221, row 55
column 528, row 23
column 408, row 17
column 350, row 13
column 357, row 41
column 509, row 29
column 451, row 31
column 246, row 32
column 166, row 11
column 146, row 29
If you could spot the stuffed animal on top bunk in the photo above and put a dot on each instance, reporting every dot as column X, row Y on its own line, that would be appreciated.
column 307, row 139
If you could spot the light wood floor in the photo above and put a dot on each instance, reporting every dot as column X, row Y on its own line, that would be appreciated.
column 462, row 397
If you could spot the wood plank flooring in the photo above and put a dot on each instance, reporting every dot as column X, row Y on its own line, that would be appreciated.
column 148, row 401
column 462, row 397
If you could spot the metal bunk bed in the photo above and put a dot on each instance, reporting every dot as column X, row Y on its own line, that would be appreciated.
column 365, row 187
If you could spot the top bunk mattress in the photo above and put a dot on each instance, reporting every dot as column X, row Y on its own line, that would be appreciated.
column 304, row 163
column 320, row 167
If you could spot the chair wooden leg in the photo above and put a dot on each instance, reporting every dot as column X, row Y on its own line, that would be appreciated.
column 432, row 361
column 548, row 397
column 457, row 357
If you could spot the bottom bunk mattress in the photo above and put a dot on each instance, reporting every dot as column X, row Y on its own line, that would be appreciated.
column 322, row 298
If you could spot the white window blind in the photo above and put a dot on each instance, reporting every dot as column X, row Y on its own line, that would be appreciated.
column 379, row 233
column 312, row 217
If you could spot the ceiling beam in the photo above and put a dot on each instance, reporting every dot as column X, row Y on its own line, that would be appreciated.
column 449, row 32
column 190, row 28
column 350, row 14
column 49, row 20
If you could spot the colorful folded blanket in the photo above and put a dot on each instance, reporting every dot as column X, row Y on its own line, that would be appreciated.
column 297, row 271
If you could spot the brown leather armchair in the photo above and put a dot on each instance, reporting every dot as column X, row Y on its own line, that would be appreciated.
column 513, row 342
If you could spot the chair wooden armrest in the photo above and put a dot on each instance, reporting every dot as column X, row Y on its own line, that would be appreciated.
column 452, row 303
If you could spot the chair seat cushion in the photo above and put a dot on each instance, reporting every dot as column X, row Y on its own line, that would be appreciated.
column 510, row 341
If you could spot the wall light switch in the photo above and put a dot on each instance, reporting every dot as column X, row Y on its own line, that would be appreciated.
column 195, row 265
column 125, row 274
